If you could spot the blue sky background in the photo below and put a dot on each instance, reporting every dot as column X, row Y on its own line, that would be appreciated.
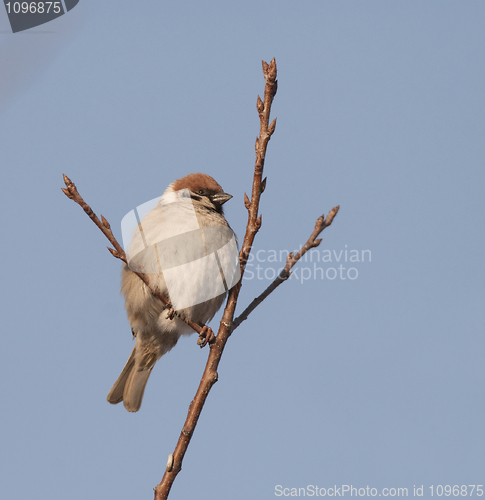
column 376, row 381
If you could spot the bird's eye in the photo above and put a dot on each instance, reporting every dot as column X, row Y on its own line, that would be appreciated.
column 200, row 191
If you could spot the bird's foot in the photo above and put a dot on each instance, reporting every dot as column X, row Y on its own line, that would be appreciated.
column 206, row 336
column 170, row 313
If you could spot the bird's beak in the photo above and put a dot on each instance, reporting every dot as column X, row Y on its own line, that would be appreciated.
column 221, row 198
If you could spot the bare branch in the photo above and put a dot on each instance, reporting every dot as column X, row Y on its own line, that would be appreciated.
column 209, row 377
column 227, row 324
column 291, row 260
column 72, row 193
column 312, row 242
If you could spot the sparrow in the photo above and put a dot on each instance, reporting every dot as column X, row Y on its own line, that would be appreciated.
column 177, row 244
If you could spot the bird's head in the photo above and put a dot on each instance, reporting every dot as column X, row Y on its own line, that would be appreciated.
column 204, row 189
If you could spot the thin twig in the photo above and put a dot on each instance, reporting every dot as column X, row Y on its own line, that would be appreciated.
column 71, row 192
column 291, row 260
column 209, row 376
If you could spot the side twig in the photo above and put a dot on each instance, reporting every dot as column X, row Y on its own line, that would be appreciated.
column 209, row 377
column 71, row 192
column 291, row 260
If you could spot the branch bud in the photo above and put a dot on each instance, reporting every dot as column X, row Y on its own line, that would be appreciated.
column 320, row 222
column 66, row 179
column 247, row 203
column 67, row 193
column 263, row 185
column 272, row 69
column 271, row 127
column 105, row 223
column 259, row 221
column 269, row 70
column 256, row 146
column 331, row 215
column 259, row 105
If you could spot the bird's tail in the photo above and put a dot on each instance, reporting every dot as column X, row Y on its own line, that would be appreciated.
column 130, row 385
